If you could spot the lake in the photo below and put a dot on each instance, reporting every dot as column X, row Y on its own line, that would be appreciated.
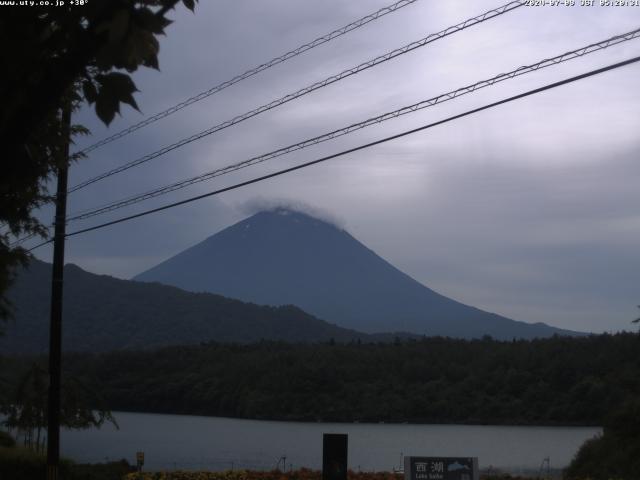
column 211, row 443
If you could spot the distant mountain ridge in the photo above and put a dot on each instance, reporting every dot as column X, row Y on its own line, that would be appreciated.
column 282, row 257
column 102, row 313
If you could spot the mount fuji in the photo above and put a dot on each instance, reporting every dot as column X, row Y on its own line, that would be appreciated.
column 286, row 257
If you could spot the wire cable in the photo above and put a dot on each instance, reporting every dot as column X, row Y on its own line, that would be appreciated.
column 355, row 149
column 20, row 241
column 88, row 213
column 251, row 72
column 292, row 96
column 577, row 53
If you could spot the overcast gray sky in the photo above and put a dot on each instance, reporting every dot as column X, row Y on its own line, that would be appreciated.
column 530, row 210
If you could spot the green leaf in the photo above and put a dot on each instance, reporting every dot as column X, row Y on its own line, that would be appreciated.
column 152, row 62
column 89, row 90
column 115, row 88
column 129, row 100
column 102, row 27
column 119, row 86
column 106, row 108
column 151, row 22
column 142, row 48
column 119, row 25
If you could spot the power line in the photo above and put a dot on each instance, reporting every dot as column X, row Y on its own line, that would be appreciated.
column 292, row 96
column 355, row 149
column 20, row 241
column 346, row 130
column 360, row 125
column 251, row 72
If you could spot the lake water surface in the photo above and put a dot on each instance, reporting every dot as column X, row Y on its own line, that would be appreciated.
column 211, row 443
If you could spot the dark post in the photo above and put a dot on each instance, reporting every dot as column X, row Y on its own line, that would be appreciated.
column 334, row 456
column 55, row 329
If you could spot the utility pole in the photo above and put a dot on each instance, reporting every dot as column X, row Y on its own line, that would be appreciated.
column 55, row 329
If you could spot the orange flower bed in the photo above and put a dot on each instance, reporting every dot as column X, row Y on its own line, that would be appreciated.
column 302, row 474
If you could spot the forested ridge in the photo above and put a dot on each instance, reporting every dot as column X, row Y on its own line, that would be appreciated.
column 103, row 313
column 560, row 380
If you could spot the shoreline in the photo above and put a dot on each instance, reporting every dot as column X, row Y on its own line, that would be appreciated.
column 367, row 423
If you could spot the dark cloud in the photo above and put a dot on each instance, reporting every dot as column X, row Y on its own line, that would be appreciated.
column 258, row 204
column 528, row 210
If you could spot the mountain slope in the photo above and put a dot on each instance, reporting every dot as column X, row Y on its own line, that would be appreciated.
column 284, row 257
column 103, row 313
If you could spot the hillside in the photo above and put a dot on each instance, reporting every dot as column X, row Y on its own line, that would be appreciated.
column 104, row 313
column 285, row 257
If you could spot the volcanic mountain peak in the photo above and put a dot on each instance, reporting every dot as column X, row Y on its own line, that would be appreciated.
column 283, row 256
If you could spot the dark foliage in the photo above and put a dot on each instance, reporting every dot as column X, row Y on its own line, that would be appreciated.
column 25, row 406
column 570, row 381
column 54, row 57
column 101, row 471
column 17, row 463
column 6, row 440
column 614, row 454
column 24, row 464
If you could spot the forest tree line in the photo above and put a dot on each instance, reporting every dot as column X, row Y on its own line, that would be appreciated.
column 554, row 381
